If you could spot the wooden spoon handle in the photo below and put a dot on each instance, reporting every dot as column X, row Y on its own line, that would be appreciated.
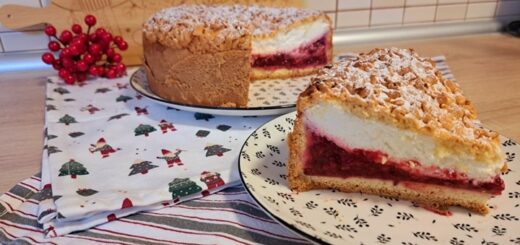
column 16, row 16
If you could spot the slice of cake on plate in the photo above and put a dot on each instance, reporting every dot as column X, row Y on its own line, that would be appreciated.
column 207, row 55
column 389, row 124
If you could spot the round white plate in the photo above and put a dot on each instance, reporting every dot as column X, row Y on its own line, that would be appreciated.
column 266, row 97
column 352, row 218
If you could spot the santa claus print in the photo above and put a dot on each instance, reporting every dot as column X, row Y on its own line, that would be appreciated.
column 141, row 111
column 90, row 108
column 172, row 158
column 164, row 125
column 211, row 179
column 104, row 148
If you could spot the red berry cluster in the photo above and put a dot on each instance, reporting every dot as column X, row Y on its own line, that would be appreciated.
column 85, row 53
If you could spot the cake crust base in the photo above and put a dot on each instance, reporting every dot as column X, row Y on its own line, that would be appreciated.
column 426, row 194
column 222, row 78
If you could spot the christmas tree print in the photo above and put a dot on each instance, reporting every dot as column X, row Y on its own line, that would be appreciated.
column 61, row 90
column 171, row 158
column 203, row 116
column 143, row 129
column 90, row 108
column 164, row 125
column 211, row 179
column 123, row 98
column 73, row 169
column 118, row 116
column 180, row 187
column 215, row 150
column 103, row 148
column 141, row 167
column 67, row 119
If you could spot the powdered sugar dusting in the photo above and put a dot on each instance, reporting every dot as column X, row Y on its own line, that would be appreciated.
column 409, row 89
column 228, row 22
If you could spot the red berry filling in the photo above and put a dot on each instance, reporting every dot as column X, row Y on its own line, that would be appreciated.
column 324, row 158
column 309, row 55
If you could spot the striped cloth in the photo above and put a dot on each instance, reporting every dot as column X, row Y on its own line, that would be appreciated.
column 227, row 217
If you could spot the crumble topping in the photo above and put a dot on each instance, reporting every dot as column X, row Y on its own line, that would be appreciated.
column 225, row 26
column 400, row 87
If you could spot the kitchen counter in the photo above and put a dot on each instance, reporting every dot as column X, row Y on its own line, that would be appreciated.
column 487, row 67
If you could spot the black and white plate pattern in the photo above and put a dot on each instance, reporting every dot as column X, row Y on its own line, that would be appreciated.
column 352, row 218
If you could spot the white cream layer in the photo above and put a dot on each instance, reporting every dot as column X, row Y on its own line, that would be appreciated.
column 348, row 130
column 292, row 39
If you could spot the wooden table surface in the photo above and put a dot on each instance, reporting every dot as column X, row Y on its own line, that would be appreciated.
column 487, row 67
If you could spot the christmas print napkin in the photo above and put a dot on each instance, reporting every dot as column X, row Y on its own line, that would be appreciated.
column 109, row 153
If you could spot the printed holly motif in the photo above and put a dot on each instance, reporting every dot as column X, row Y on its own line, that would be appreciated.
column 180, row 187
column 73, row 169
column 141, row 111
column 123, row 98
column 211, row 179
column 118, row 116
column 122, row 86
column 215, row 150
column 86, row 192
column 141, row 167
column 90, row 108
column 164, row 125
column 76, row 134
column 127, row 203
column 61, row 90
column 203, row 116
column 202, row 133
column 171, row 158
column 143, row 129
column 104, row 148
column 102, row 90
column 67, row 119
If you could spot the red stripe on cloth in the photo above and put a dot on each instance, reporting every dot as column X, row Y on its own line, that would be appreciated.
column 14, row 196
column 33, row 202
column 181, row 231
column 230, row 193
column 139, row 237
column 228, row 210
column 30, row 238
column 36, row 178
column 25, row 229
column 30, row 186
column 232, row 222
column 96, row 240
column 24, row 213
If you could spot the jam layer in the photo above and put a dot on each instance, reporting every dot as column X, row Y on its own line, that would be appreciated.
column 324, row 158
column 310, row 55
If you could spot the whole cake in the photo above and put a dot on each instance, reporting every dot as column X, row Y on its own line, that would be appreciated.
column 207, row 55
column 388, row 123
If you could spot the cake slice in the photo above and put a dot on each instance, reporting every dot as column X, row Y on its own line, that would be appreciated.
column 389, row 124
column 208, row 54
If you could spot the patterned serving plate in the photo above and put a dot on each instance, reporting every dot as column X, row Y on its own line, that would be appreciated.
column 353, row 218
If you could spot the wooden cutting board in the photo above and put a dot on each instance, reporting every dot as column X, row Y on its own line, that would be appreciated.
column 121, row 17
